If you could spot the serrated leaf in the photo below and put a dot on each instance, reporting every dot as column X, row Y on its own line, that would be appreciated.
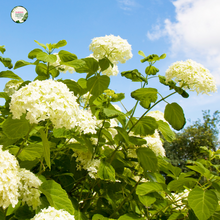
column 174, row 115
column 66, row 56
column 2, row 49
column 50, row 58
column 137, row 140
column 46, row 147
column 178, row 185
column 203, row 203
column 134, row 75
column 106, row 171
column 42, row 45
column 147, row 159
column 31, row 152
column 15, row 128
column 21, row 63
column 164, row 128
column 145, row 188
column 56, row 196
column 97, row 84
column 9, row 74
column 141, row 53
column 33, row 53
column 78, row 64
column 130, row 216
column 151, row 70
column 147, row 200
column 145, row 126
column 104, row 63
column 4, row 95
column 61, row 43
column 111, row 113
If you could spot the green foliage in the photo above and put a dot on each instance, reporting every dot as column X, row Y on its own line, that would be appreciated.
column 115, row 172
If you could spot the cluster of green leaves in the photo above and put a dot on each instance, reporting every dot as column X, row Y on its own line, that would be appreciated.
column 125, row 186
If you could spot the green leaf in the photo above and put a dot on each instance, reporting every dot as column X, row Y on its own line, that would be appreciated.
column 61, row 43
column 203, row 203
column 92, row 64
column 145, row 126
column 134, row 75
column 174, row 115
column 4, row 95
column 73, row 86
column 147, row 200
column 97, row 84
column 51, row 58
column 2, row 49
column 23, row 213
column 163, row 56
column 61, row 133
column 99, row 217
column 16, row 128
column 21, row 63
column 137, row 140
column 106, row 171
column 111, row 113
column 9, row 74
column 46, row 147
column 56, row 196
column 168, row 134
column 147, row 159
column 41, row 70
column 153, row 58
column 145, row 95
column 151, row 70
column 78, row 215
column 6, row 62
column 78, row 64
column 176, row 215
column 141, row 53
column 178, row 185
column 130, row 216
column 31, row 152
column 42, row 45
column 145, row 188
column 66, row 56
column 123, row 133
column 104, row 63
column 33, row 53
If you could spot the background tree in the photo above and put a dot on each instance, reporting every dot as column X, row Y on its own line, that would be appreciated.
column 187, row 144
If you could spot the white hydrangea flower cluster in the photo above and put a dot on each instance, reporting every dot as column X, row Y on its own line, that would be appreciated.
column 16, row 183
column 191, row 75
column 62, row 68
column 9, row 179
column 180, row 196
column 155, row 144
column 29, row 188
column 114, row 48
column 12, row 86
column 50, row 99
column 92, row 167
column 52, row 213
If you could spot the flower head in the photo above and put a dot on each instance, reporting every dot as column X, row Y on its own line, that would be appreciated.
column 50, row 99
column 28, row 189
column 9, row 179
column 191, row 75
column 114, row 48
column 52, row 213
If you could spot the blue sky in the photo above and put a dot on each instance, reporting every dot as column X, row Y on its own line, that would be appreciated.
column 183, row 29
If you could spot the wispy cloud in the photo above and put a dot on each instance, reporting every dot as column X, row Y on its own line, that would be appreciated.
column 127, row 5
column 195, row 32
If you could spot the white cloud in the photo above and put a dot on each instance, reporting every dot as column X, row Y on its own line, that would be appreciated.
column 127, row 5
column 195, row 32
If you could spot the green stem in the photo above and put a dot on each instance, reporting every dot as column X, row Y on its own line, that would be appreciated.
column 150, row 109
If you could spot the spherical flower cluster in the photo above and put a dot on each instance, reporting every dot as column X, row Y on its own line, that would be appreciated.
column 155, row 144
column 12, row 86
column 52, row 100
column 62, row 68
column 9, row 179
column 191, row 75
column 52, row 213
column 28, row 189
column 114, row 48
